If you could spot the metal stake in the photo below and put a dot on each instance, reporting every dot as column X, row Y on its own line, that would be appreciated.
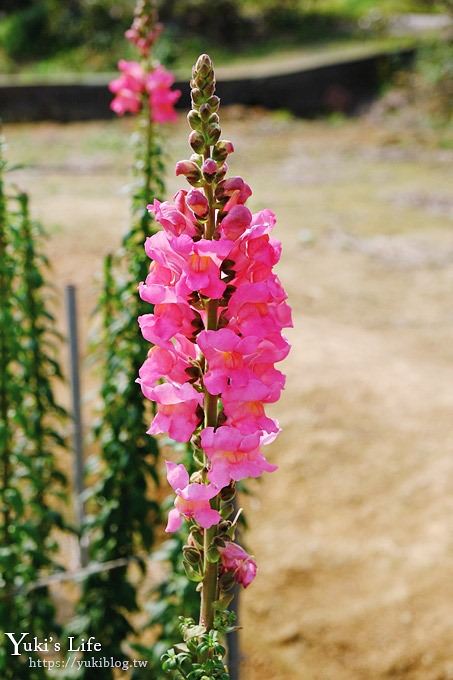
column 77, row 432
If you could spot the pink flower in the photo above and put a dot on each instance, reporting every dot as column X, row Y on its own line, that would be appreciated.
column 159, row 285
column 192, row 266
column 168, row 320
column 189, row 169
column 174, row 220
column 197, row 202
column 209, row 167
column 249, row 416
column 162, row 97
column 260, row 308
column 128, row 88
column 177, row 411
column 226, row 353
column 167, row 362
column 165, row 269
column 235, row 190
column 255, row 253
column 203, row 259
column 237, row 220
column 192, row 500
column 233, row 455
column 236, row 560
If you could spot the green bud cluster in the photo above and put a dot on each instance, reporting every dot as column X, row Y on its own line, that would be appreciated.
column 204, row 122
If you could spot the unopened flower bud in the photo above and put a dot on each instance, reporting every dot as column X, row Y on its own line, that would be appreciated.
column 228, row 493
column 203, row 66
column 194, row 120
column 213, row 133
column 205, row 112
column 221, row 172
column 209, row 88
column 237, row 562
column 197, row 141
column 219, row 541
column 196, row 538
column 197, row 202
column 190, row 170
column 214, row 103
column 197, row 97
column 224, row 526
column 209, row 168
column 192, row 555
column 227, row 581
column 222, row 149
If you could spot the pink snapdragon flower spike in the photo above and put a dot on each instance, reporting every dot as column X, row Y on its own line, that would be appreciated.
column 217, row 322
column 236, row 560
column 192, row 500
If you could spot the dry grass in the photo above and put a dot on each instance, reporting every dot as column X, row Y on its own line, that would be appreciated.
column 353, row 534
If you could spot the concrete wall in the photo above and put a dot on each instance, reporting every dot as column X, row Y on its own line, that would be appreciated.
column 344, row 87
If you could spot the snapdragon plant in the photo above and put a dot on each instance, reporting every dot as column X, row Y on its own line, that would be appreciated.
column 216, row 321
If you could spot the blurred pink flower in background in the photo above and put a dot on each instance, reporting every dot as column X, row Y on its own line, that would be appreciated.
column 162, row 97
column 134, row 84
column 128, row 88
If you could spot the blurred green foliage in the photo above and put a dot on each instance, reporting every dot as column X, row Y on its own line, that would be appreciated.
column 88, row 34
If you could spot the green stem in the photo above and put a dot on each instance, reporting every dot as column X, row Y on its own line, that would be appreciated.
column 210, row 580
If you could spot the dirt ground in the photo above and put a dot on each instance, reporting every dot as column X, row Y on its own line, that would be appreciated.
column 353, row 534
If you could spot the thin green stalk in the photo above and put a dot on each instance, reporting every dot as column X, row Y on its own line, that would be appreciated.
column 211, row 571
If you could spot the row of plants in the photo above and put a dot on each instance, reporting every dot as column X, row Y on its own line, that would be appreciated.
column 32, row 484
